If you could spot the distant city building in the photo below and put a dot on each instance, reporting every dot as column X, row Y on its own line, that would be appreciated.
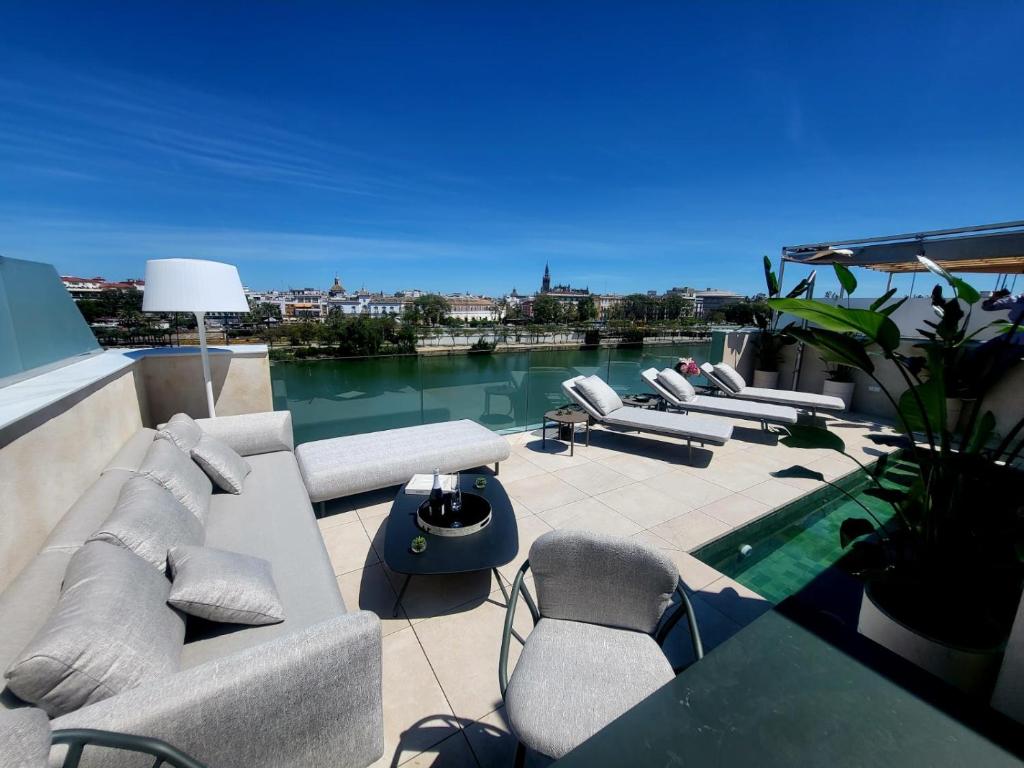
column 465, row 307
column 565, row 294
column 606, row 304
column 89, row 287
column 712, row 300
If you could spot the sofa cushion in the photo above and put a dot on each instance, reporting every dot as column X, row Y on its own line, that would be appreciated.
column 182, row 430
column 598, row 394
column 223, row 586
column 148, row 520
column 111, row 630
column 25, row 606
column 221, row 463
column 272, row 519
column 169, row 467
column 676, row 384
column 24, row 738
column 728, row 376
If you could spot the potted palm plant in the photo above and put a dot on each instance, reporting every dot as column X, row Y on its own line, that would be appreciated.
column 945, row 578
column 769, row 342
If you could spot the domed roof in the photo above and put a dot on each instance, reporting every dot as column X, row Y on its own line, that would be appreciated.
column 336, row 288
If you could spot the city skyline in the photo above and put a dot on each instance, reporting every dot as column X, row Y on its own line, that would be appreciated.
column 649, row 148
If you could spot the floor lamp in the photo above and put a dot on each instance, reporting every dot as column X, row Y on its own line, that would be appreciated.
column 197, row 286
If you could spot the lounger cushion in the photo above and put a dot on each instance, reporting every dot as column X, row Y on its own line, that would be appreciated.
column 697, row 428
column 24, row 738
column 181, row 430
column 572, row 679
column 677, row 385
column 148, row 520
column 221, row 464
column 111, row 630
column 728, row 376
column 793, row 398
column 169, row 467
column 598, row 394
column 223, row 586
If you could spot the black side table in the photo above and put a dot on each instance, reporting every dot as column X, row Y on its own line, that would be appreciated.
column 565, row 418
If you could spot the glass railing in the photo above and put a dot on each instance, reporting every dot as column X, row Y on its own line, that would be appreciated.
column 504, row 391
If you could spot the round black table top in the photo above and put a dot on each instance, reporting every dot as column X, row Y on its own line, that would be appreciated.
column 562, row 416
column 495, row 545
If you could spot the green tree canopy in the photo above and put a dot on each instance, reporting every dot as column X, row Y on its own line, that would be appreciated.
column 546, row 310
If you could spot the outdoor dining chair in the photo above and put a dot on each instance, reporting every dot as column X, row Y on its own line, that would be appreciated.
column 604, row 607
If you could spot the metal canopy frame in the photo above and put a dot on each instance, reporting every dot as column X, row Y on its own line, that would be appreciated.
column 987, row 248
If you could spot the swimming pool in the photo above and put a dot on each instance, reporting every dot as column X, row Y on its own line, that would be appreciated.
column 798, row 543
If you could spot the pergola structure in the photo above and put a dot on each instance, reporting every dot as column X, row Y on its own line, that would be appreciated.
column 990, row 248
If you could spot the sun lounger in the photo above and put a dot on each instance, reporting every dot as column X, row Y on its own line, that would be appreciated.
column 688, row 428
column 803, row 400
column 765, row 413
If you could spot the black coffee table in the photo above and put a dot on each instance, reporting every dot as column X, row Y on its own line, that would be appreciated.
column 495, row 545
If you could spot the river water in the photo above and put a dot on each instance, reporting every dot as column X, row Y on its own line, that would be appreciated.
column 503, row 391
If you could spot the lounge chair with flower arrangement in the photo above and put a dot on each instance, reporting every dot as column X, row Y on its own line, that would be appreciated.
column 678, row 393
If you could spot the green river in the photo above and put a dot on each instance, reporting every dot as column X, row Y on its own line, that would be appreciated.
column 505, row 391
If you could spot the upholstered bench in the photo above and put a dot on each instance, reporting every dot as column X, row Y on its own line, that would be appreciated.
column 343, row 466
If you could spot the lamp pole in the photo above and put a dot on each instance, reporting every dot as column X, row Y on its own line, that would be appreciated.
column 204, row 353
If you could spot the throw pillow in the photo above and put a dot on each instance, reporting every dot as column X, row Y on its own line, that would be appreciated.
column 24, row 738
column 181, row 430
column 223, row 586
column 111, row 630
column 148, row 520
column 222, row 465
column 602, row 397
column 167, row 466
column 676, row 384
column 728, row 376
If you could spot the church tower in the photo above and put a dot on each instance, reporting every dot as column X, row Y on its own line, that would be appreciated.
column 545, row 286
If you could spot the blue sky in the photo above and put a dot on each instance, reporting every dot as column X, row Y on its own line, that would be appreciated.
column 459, row 146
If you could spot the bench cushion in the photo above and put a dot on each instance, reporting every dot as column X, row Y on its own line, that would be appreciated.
column 343, row 466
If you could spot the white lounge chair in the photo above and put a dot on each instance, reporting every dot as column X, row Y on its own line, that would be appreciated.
column 609, row 410
column 765, row 413
column 806, row 401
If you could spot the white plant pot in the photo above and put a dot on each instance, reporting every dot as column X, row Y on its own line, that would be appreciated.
column 766, row 379
column 970, row 670
column 841, row 389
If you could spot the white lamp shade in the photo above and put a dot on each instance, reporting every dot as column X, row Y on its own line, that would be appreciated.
column 192, row 285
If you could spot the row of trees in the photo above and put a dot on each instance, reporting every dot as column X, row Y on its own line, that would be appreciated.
column 347, row 335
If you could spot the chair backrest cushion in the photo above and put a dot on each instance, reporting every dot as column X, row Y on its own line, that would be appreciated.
column 676, row 384
column 598, row 394
column 601, row 579
column 111, row 630
column 182, row 430
column 727, row 374
column 148, row 520
column 167, row 466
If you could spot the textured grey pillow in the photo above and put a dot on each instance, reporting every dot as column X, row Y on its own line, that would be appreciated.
column 110, row 631
column 599, row 394
column 183, row 431
column 223, row 586
column 24, row 738
column 167, row 466
column 148, row 520
column 677, row 384
column 728, row 376
column 221, row 463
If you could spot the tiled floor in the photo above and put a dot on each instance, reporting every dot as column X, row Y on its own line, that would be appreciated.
column 441, row 700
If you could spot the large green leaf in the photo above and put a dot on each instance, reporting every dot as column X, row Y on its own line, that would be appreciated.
column 801, row 287
column 853, row 528
column 798, row 472
column 932, row 396
column 875, row 325
column 877, row 303
column 834, row 347
column 963, row 290
column 802, row 436
column 888, row 310
column 983, row 429
column 770, row 280
column 846, row 278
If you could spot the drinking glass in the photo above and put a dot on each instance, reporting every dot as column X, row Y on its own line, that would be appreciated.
column 456, row 493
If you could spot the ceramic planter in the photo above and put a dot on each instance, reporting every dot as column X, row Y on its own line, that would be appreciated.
column 972, row 670
column 841, row 389
column 766, row 379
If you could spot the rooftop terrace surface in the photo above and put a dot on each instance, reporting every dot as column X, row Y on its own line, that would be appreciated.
column 442, row 705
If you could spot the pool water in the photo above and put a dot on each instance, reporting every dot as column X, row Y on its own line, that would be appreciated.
column 797, row 543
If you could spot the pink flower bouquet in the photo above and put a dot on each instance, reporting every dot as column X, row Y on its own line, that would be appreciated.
column 687, row 366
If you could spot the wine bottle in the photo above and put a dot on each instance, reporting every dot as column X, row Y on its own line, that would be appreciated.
column 437, row 496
